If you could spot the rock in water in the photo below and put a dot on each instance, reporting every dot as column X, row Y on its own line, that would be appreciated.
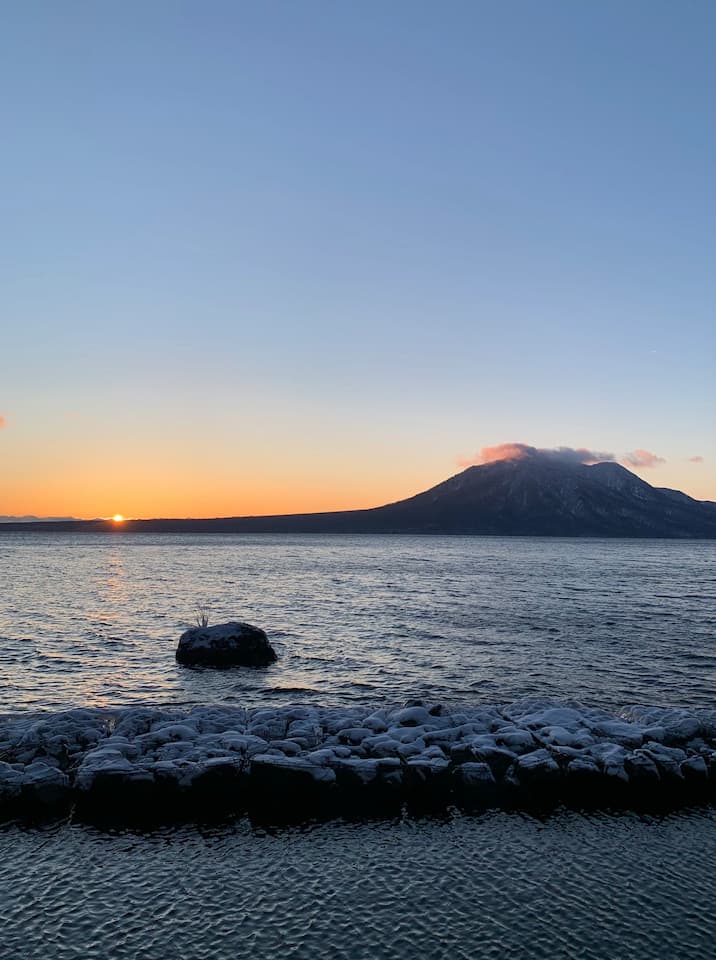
column 225, row 645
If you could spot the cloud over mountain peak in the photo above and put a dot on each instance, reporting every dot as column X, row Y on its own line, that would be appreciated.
column 638, row 458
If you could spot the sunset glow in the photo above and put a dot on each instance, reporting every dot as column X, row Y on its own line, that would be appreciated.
column 389, row 275
column 151, row 484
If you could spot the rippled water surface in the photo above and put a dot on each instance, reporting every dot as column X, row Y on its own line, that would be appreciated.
column 499, row 886
column 94, row 618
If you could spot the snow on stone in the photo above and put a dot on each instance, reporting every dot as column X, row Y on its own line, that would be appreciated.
column 287, row 755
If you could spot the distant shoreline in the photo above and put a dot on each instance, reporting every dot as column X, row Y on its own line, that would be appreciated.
column 310, row 524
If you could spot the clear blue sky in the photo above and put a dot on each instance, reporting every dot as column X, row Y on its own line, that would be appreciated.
column 304, row 254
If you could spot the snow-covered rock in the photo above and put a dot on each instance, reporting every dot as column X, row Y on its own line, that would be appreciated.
column 422, row 771
column 225, row 645
column 225, row 758
column 641, row 770
column 538, row 772
column 678, row 725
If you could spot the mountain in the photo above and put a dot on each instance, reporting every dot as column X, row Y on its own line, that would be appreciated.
column 30, row 518
column 536, row 495
column 543, row 495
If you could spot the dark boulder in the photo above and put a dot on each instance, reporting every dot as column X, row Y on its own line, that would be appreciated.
column 225, row 645
column 535, row 778
column 290, row 789
column 475, row 785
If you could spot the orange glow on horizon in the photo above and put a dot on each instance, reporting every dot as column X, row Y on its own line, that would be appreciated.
column 158, row 493
column 85, row 476
column 82, row 482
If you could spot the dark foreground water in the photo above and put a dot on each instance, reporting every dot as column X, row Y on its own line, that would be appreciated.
column 499, row 886
column 94, row 619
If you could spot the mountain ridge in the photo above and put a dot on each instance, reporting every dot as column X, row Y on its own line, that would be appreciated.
column 32, row 518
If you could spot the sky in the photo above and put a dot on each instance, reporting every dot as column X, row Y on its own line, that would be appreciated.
column 290, row 256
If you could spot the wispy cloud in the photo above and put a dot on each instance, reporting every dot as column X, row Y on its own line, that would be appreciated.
column 579, row 454
column 635, row 459
column 3, row 422
column 641, row 458
column 520, row 451
column 696, row 459
column 503, row 451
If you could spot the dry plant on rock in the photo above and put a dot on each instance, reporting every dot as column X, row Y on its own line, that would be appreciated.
column 202, row 615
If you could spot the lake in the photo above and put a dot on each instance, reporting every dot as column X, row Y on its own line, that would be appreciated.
column 94, row 620
column 496, row 886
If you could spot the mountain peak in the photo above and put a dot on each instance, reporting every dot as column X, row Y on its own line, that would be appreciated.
column 541, row 493
column 616, row 476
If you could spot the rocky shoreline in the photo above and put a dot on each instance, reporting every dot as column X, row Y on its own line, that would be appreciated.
column 157, row 765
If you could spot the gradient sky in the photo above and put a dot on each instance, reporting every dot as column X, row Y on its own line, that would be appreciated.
column 280, row 256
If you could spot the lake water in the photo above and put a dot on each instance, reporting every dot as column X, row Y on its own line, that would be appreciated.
column 94, row 618
column 498, row 886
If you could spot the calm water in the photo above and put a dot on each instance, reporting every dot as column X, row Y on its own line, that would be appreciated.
column 94, row 619
column 500, row 886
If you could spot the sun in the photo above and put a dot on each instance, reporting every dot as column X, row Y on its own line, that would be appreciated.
column 118, row 518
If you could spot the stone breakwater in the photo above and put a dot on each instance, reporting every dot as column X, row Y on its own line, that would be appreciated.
column 161, row 764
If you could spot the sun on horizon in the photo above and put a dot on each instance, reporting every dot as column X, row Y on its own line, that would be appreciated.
column 118, row 518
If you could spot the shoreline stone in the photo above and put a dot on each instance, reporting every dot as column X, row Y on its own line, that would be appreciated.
column 157, row 765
